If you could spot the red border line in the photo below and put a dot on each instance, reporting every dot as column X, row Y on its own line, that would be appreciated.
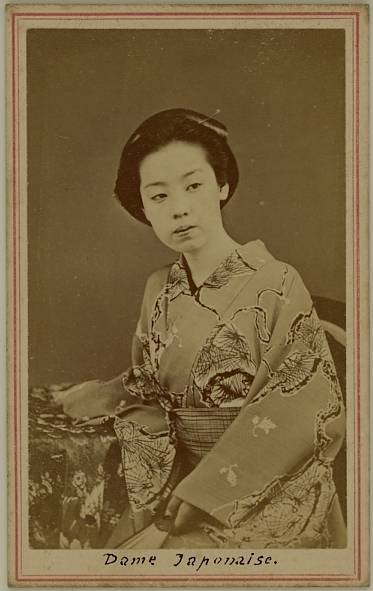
column 182, row 14
column 17, row 284
column 182, row 578
column 274, row 18
column 354, row 82
column 358, row 295
column 19, row 303
column 354, row 294
column 15, row 318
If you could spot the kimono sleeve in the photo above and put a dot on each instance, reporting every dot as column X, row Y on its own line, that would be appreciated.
column 141, row 425
column 147, row 446
column 292, row 419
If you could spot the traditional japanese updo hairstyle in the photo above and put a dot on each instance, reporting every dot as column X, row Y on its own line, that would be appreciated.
column 158, row 131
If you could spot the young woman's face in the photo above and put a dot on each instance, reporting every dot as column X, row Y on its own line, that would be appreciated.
column 181, row 196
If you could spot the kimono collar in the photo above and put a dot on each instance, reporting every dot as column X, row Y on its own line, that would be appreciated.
column 249, row 257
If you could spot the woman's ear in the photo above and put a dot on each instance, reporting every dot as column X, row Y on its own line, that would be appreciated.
column 224, row 190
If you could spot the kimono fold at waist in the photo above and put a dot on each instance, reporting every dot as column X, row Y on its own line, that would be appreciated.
column 198, row 429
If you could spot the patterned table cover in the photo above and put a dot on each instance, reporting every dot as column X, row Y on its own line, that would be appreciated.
column 76, row 485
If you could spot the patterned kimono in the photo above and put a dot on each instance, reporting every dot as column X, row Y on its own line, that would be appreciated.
column 232, row 402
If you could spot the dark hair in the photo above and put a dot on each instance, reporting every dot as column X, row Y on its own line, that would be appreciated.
column 159, row 130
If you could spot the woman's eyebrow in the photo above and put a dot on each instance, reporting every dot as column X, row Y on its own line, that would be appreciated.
column 192, row 172
column 163, row 184
column 155, row 184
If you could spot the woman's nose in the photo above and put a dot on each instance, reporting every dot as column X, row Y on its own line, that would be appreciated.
column 180, row 206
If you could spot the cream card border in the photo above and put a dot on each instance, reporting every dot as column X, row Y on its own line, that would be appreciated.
column 349, row 567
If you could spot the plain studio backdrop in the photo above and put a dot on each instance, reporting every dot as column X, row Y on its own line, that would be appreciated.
column 281, row 95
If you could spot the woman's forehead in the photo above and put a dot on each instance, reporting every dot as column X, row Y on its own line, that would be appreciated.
column 175, row 159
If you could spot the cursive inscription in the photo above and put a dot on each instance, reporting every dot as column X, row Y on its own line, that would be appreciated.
column 197, row 563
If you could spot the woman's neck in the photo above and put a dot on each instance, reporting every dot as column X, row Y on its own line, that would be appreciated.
column 203, row 262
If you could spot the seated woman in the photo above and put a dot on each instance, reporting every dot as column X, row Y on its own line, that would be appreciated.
column 231, row 414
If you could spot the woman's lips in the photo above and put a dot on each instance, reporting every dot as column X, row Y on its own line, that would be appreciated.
column 182, row 229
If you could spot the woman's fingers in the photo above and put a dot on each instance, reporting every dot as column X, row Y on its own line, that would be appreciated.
column 173, row 506
column 185, row 517
column 185, row 514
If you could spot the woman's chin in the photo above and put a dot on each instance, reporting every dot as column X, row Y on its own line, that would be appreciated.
column 185, row 244
column 187, row 247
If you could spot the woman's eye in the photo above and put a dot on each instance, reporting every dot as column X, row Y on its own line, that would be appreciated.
column 159, row 197
column 194, row 186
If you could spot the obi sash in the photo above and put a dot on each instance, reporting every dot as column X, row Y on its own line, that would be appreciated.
column 198, row 429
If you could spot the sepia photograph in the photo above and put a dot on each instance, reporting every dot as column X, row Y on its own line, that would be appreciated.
column 188, row 295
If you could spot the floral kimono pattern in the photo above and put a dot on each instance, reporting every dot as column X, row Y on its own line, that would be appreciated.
column 239, row 375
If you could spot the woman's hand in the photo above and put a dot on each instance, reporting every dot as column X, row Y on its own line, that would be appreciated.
column 91, row 399
column 186, row 515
